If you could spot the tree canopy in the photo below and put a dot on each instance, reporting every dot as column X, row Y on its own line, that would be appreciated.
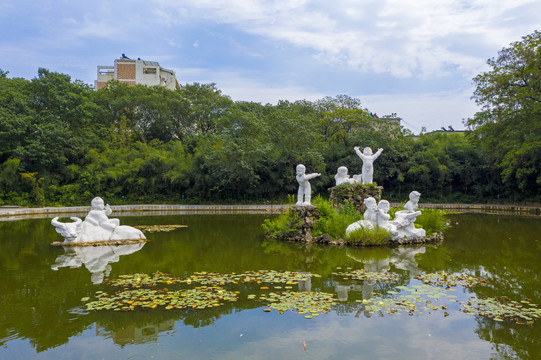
column 62, row 143
column 508, row 127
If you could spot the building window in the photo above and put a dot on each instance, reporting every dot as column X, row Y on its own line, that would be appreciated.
column 149, row 71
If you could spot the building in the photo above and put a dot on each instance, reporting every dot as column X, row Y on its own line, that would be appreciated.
column 138, row 71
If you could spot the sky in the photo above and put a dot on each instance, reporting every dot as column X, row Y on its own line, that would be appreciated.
column 415, row 58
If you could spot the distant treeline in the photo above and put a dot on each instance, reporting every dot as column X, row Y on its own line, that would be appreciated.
column 62, row 143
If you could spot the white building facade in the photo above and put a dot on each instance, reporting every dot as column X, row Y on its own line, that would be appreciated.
column 138, row 71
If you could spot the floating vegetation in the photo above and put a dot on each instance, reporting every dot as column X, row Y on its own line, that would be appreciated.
column 422, row 298
column 129, row 300
column 310, row 304
column 99, row 243
column 443, row 279
column 206, row 290
column 500, row 309
column 368, row 275
column 257, row 277
column 140, row 280
column 212, row 278
column 159, row 228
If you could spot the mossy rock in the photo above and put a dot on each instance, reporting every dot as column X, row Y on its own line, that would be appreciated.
column 354, row 194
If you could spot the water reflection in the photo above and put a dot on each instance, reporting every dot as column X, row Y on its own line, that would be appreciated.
column 95, row 258
column 137, row 334
column 379, row 260
column 37, row 317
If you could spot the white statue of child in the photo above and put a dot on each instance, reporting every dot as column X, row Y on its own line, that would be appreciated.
column 370, row 216
column 405, row 220
column 304, row 185
column 342, row 176
column 383, row 217
column 368, row 163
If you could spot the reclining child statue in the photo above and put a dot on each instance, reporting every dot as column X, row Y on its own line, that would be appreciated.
column 96, row 226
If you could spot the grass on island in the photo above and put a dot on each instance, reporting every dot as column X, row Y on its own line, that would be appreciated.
column 369, row 236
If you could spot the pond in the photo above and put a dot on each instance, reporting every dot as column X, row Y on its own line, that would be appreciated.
column 263, row 310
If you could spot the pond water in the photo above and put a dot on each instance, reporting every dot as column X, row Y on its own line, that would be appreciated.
column 43, row 291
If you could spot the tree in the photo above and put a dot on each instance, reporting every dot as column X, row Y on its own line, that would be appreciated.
column 508, row 126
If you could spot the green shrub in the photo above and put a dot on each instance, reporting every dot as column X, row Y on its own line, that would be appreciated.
column 369, row 236
column 324, row 207
column 433, row 220
column 334, row 222
column 283, row 224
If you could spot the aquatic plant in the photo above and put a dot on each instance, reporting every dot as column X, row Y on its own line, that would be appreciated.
column 447, row 280
column 501, row 309
column 159, row 228
column 362, row 274
column 309, row 303
column 206, row 290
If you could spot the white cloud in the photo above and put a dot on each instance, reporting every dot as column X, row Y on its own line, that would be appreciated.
column 429, row 110
column 402, row 38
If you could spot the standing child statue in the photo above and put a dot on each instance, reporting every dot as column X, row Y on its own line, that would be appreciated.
column 368, row 163
column 304, row 186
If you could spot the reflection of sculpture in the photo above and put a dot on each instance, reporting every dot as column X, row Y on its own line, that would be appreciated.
column 405, row 220
column 304, row 186
column 404, row 258
column 368, row 163
column 96, row 226
column 95, row 258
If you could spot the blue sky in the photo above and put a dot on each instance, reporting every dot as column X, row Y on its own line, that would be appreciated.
column 415, row 58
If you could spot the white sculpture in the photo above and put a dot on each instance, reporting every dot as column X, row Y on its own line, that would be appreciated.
column 304, row 186
column 342, row 176
column 402, row 226
column 383, row 218
column 368, row 163
column 370, row 216
column 405, row 220
column 96, row 226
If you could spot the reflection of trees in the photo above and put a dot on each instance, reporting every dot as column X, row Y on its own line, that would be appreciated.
column 510, row 340
column 504, row 250
column 41, row 305
column 33, row 303
column 321, row 259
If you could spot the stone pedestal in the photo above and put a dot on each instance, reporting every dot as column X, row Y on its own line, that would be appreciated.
column 355, row 194
column 308, row 216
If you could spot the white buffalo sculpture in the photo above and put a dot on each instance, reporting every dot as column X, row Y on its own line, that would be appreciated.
column 96, row 226
column 70, row 231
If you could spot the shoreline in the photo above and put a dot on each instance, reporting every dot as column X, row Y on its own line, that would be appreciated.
column 19, row 213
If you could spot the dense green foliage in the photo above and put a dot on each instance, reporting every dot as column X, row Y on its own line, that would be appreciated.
column 433, row 220
column 334, row 221
column 284, row 223
column 508, row 129
column 61, row 142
